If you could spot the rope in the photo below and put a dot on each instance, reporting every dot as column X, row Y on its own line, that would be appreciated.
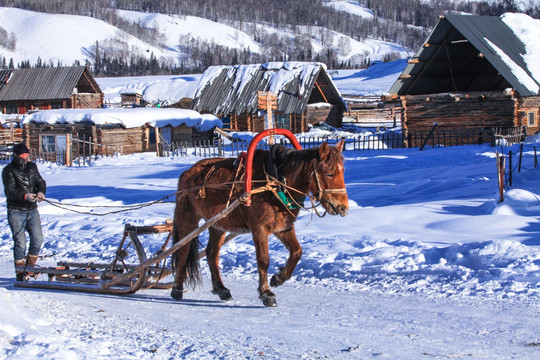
column 124, row 208
column 270, row 186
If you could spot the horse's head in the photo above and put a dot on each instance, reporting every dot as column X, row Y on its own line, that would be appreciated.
column 327, row 183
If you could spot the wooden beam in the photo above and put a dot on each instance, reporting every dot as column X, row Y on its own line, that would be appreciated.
column 320, row 90
column 89, row 81
column 430, row 60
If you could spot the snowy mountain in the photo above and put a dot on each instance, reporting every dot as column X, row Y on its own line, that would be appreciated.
column 55, row 38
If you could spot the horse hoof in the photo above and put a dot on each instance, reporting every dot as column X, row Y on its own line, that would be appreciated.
column 177, row 294
column 276, row 281
column 224, row 294
column 269, row 299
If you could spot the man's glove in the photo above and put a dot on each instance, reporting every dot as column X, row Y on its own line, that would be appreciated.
column 40, row 196
column 30, row 197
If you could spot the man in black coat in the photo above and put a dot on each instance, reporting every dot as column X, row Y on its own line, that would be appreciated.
column 24, row 188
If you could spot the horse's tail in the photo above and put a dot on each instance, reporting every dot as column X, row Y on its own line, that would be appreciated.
column 192, row 260
column 192, row 263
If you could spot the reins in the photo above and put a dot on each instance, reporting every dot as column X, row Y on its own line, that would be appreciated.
column 271, row 185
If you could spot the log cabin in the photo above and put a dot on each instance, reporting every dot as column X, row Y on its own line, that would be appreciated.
column 471, row 72
column 303, row 93
column 22, row 90
column 124, row 131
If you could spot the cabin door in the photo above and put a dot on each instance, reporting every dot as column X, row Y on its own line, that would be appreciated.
column 166, row 134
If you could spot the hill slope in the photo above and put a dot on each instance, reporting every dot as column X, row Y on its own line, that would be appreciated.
column 173, row 40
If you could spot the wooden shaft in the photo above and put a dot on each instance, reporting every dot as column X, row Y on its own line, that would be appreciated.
column 107, row 284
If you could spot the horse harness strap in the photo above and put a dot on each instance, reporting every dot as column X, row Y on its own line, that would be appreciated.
column 272, row 171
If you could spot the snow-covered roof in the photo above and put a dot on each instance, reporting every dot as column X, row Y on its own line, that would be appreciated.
column 476, row 53
column 128, row 118
column 233, row 89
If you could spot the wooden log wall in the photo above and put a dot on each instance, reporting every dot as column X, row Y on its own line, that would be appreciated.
column 385, row 115
column 201, row 136
column 298, row 123
column 526, row 105
column 314, row 116
column 182, row 134
column 332, row 115
column 459, row 112
column 375, row 112
column 471, row 110
column 87, row 101
column 10, row 136
column 32, row 131
column 131, row 140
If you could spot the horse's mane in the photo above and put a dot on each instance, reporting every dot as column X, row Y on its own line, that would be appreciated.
column 289, row 159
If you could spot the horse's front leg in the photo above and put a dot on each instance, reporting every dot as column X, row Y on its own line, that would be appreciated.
column 288, row 238
column 260, row 239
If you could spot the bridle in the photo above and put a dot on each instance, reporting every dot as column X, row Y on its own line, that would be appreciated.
column 321, row 191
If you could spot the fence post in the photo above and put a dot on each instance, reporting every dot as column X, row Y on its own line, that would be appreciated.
column 500, row 175
column 510, row 168
column 68, row 150
column 158, row 150
column 429, row 136
column 520, row 156
column 220, row 148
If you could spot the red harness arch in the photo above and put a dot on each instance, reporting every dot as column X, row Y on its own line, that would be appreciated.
column 251, row 153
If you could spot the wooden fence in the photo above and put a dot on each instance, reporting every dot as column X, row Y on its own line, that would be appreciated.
column 449, row 137
column 376, row 141
column 511, row 164
column 83, row 150
column 78, row 152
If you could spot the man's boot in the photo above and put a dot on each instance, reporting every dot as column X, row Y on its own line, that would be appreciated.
column 31, row 262
column 20, row 274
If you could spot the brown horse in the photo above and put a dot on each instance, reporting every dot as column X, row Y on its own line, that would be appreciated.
column 317, row 171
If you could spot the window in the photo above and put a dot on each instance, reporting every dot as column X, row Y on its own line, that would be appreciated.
column 52, row 143
column 282, row 121
column 57, row 105
column 531, row 118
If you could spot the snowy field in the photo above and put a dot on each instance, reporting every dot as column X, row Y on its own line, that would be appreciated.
column 428, row 264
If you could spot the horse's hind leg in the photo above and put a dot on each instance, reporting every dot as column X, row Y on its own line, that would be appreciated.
column 215, row 241
column 288, row 238
column 177, row 292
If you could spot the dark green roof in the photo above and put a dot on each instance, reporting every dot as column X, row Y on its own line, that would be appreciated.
column 468, row 53
column 46, row 83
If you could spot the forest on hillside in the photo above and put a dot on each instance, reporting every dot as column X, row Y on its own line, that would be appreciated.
column 405, row 22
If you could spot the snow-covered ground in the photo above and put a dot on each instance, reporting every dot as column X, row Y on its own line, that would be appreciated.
column 428, row 264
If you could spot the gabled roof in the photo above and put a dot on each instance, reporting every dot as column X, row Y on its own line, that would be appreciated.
column 468, row 53
column 46, row 83
column 233, row 89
